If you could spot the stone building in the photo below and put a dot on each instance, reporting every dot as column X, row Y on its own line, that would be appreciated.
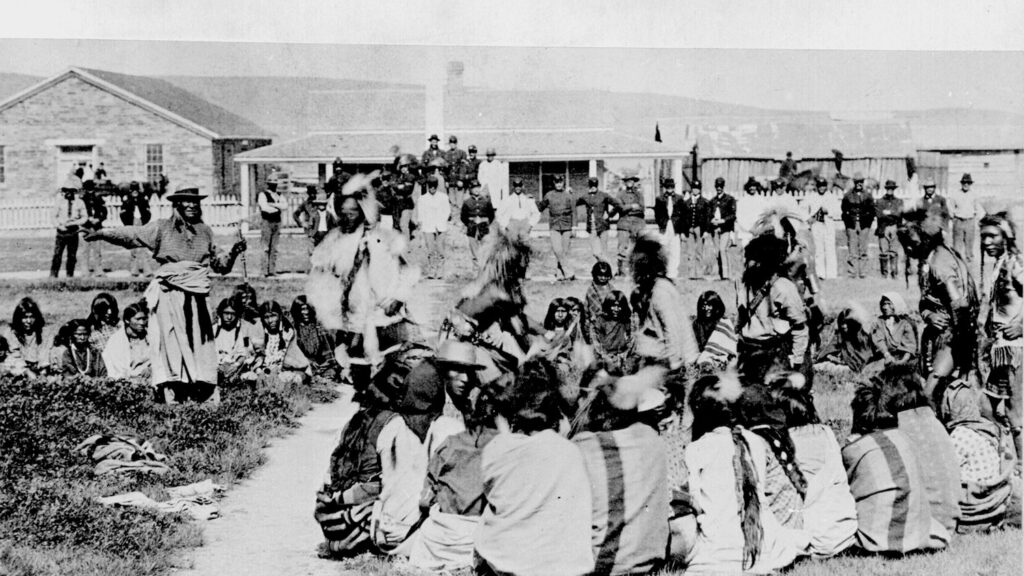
column 139, row 128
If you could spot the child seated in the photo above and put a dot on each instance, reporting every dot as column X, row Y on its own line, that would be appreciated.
column 76, row 354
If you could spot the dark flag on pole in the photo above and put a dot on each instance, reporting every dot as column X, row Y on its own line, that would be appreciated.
column 657, row 133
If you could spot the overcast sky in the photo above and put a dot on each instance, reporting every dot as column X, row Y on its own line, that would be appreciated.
column 796, row 54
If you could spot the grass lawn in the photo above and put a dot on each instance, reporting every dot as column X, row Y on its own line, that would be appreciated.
column 48, row 524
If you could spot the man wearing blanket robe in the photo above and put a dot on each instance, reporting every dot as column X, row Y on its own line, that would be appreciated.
column 184, row 359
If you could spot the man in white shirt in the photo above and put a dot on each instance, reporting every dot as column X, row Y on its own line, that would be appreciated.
column 822, row 209
column 749, row 208
column 493, row 176
column 272, row 206
column 965, row 210
column 433, row 211
column 518, row 212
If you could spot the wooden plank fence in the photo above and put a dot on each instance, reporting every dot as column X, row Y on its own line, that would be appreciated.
column 218, row 212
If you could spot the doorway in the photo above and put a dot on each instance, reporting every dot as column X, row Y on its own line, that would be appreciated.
column 70, row 158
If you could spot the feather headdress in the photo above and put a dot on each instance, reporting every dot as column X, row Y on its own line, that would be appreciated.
column 506, row 258
column 360, row 187
column 775, row 220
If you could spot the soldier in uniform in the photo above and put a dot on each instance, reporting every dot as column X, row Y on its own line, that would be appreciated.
column 692, row 216
column 432, row 152
column 454, row 158
column 561, row 207
column 471, row 167
column 858, row 208
column 631, row 219
column 403, row 194
column 337, row 180
column 668, row 215
column 477, row 215
column 599, row 206
column 888, row 208
column 719, row 227
column 1002, row 319
column 949, row 299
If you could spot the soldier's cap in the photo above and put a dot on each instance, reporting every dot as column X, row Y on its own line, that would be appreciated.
column 819, row 182
column 719, row 182
column 668, row 183
column 321, row 198
column 453, row 139
column 928, row 183
column 474, row 183
column 628, row 175
column 492, row 152
column 337, row 162
column 593, row 181
column 696, row 184
column 432, row 181
column 134, row 185
column 472, row 147
column 517, row 181
column 858, row 177
column 88, row 185
column 559, row 178
column 890, row 185
column 185, row 192
column 433, row 138
column 751, row 183
column 966, row 179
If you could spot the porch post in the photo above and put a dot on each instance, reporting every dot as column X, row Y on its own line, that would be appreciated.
column 246, row 175
column 321, row 174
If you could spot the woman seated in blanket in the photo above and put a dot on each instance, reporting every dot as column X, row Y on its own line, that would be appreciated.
column 627, row 466
column 612, row 332
column 989, row 490
column 557, row 320
column 829, row 512
column 104, row 319
column 370, row 498
column 77, row 356
column 25, row 336
column 537, row 520
column 579, row 320
column 894, row 333
column 277, row 335
column 716, row 334
column 733, row 529
column 852, row 345
column 887, row 482
column 127, row 354
column 311, row 352
column 453, row 494
column 236, row 348
column 248, row 308
column 599, row 289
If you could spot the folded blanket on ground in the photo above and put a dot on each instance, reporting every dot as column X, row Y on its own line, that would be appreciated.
column 196, row 500
column 113, row 453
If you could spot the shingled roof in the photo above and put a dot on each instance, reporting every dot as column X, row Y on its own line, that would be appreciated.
column 160, row 97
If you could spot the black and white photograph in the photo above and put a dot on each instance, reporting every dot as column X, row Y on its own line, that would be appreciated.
column 480, row 288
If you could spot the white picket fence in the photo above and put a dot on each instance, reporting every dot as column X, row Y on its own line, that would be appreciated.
column 218, row 212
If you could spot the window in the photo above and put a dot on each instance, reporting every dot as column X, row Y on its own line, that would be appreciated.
column 154, row 162
column 3, row 165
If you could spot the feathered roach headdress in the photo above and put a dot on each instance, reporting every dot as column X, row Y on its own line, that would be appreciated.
column 360, row 187
column 778, row 220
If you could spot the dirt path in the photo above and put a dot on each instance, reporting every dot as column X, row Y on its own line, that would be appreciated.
column 266, row 525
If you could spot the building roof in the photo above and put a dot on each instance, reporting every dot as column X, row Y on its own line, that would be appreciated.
column 812, row 137
column 515, row 145
column 965, row 129
column 160, row 97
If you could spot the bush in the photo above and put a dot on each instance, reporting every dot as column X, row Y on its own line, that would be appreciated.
column 48, row 491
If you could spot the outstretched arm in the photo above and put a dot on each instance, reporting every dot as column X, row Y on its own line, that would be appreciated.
column 144, row 236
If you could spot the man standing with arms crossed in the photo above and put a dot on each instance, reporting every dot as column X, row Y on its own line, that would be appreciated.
column 272, row 206
column 692, row 217
column 888, row 208
column 858, row 213
column 600, row 205
column 720, row 225
column 965, row 209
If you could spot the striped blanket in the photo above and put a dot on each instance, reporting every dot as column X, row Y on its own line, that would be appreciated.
column 893, row 514
column 721, row 345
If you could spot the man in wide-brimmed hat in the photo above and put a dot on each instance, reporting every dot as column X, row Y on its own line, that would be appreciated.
column 965, row 209
column 184, row 357
column 888, row 208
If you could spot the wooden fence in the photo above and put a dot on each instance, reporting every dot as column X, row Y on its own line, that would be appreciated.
column 218, row 212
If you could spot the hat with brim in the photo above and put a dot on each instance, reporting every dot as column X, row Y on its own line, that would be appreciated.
column 186, row 193
column 458, row 354
column 321, row 198
column 929, row 183
column 966, row 179
column 890, row 185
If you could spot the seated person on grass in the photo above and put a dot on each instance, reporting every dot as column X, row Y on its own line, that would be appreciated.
column 370, row 499
column 127, row 352
column 829, row 512
column 104, row 319
column 311, row 352
column 76, row 355
column 894, row 333
column 25, row 336
column 734, row 529
column 277, row 336
column 715, row 332
column 236, row 350
column 884, row 471
column 989, row 489
column 851, row 344
column 612, row 332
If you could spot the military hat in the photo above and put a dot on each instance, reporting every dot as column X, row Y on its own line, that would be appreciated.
column 559, row 178
column 890, row 185
column 472, row 148
column 517, row 181
column 858, row 176
column 629, row 175
column 778, row 183
column 433, row 138
column 321, row 198
column 185, row 192
column 696, row 184
column 752, row 183
column 453, row 139
column 966, row 179
column 928, row 183
column 819, row 182
column 492, row 152
column 719, row 182
column 474, row 183
column 593, row 181
column 668, row 183
column 337, row 162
